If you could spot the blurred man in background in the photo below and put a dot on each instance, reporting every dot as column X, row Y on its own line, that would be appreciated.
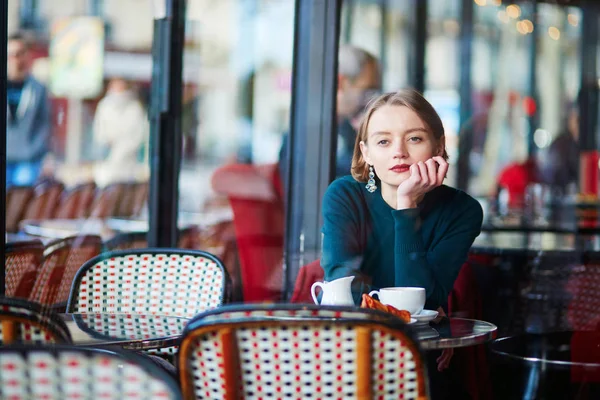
column 28, row 116
column 358, row 81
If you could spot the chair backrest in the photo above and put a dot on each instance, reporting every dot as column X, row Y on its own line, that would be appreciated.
column 107, row 200
column 68, row 372
column 259, row 222
column 76, row 202
column 150, row 281
column 308, row 274
column 127, row 240
column 83, row 248
column 62, row 259
column 22, row 321
column 45, row 200
column 140, row 198
column 300, row 352
column 17, row 199
column 23, row 261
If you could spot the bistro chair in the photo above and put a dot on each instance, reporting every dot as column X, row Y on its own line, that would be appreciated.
column 255, row 197
column 67, row 372
column 45, row 200
column 22, row 261
column 62, row 259
column 168, row 282
column 149, row 281
column 22, row 321
column 76, row 202
column 17, row 199
column 299, row 352
column 107, row 200
column 140, row 198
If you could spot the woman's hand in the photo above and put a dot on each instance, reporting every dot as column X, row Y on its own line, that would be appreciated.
column 424, row 176
column 443, row 361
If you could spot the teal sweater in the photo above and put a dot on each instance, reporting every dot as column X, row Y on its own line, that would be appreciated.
column 424, row 246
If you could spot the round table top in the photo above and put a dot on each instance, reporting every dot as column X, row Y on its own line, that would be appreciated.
column 556, row 349
column 444, row 333
column 131, row 331
column 106, row 228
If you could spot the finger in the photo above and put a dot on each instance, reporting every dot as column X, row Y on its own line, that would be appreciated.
column 423, row 172
column 442, row 170
column 443, row 361
column 432, row 167
column 415, row 173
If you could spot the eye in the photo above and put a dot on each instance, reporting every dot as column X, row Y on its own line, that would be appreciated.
column 383, row 142
column 415, row 139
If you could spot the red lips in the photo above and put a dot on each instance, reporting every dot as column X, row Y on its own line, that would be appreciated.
column 400, row 168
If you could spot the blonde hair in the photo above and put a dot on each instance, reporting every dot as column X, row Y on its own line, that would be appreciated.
column 408, row 98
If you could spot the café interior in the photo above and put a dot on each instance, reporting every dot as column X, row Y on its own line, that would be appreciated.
column 169, row 242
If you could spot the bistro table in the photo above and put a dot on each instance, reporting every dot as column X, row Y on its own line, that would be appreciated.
column 523, row 243
column 551, row 365
column 444, row 333
column 108, row 227
column 130, row 331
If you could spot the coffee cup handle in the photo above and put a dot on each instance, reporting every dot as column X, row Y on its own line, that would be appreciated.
column 313, row 289
column 372, row 292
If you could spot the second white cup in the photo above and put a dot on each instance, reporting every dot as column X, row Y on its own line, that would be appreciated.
column 411, row 299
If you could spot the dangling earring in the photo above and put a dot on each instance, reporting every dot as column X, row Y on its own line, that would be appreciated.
column 371, row 186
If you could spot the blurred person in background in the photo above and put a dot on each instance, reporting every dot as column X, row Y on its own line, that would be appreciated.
column 561, row 168
column 358, row 81
column 28, row 116
column 120, row 125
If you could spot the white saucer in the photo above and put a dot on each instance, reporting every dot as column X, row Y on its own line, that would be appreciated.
column 424, row 316
column 412, row 321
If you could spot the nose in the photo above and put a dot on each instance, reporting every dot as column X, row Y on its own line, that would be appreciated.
column 400, row 149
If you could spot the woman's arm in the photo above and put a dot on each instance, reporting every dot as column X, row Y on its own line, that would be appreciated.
column 342, row 249
column 437, row 268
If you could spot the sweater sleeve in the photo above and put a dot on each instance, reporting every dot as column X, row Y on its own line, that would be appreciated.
column 437, row 268
column 342, row 253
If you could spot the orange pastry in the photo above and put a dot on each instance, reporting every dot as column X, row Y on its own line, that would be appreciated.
column 369, row 302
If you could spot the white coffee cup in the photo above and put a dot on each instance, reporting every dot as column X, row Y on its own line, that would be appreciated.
column 411, row 299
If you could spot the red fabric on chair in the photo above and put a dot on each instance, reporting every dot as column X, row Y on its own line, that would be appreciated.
column 308, row 274
column 464, row 301
column 258, row 219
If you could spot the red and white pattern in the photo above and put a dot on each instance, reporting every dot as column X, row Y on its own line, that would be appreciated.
column 161, row 284
column 294, row 359
column 42, row 326
column 65, row 375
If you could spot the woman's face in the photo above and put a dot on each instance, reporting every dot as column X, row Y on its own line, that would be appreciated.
column 396, row 139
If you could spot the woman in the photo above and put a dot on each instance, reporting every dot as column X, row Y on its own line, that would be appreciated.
column 393, row 223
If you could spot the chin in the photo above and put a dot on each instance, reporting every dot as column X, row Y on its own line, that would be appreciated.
column 393, row 180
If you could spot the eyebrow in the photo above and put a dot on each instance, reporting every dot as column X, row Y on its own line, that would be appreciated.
column 404, row 133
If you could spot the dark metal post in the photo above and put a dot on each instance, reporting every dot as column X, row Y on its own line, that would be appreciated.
column 165, row 124
column 533, row 114
column 3, row 78
column 466, row 94
column 313, row 136
column 384, row 7
column 417, row 66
